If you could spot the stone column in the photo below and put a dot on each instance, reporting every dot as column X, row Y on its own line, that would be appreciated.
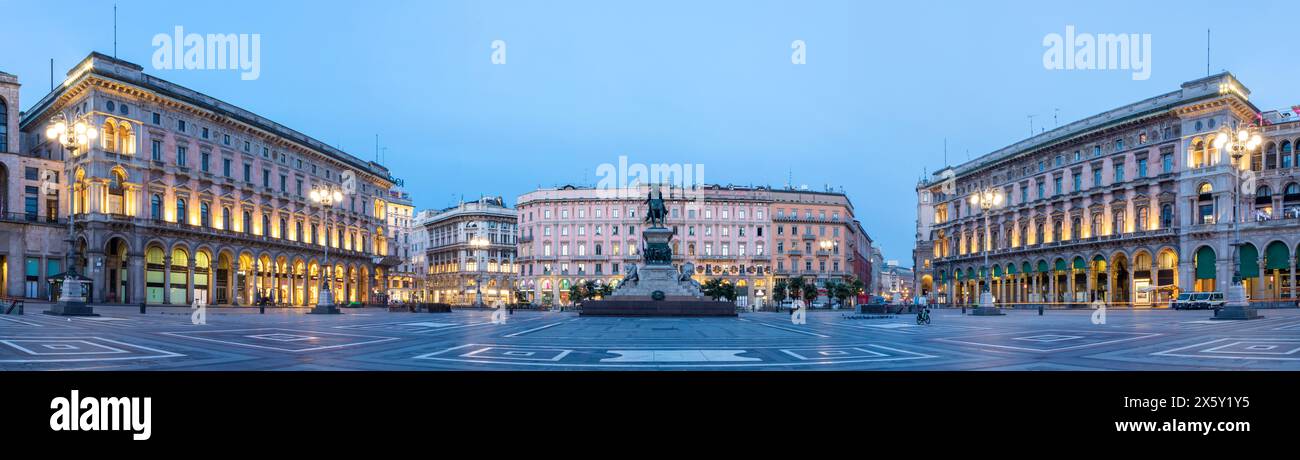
column 167, row 278
column 95, row 268
column 189, row 280
column 135, row 263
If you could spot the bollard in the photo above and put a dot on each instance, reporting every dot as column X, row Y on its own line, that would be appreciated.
column 963, row 309
column 20, row 309
column 1040, row 309
column 261, row 309
column 142, row 308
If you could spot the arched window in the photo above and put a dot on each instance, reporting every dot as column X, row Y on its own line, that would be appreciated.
column 1263, row 192
column 205, row 215
column 116, row 203
column 225, row 219
column 1143, row 218
column 1286, row 161
column 4, row 126
column 1166, row 215
column 155, row 207
column 108, row 139
column 284, row 228
column 266, row 225
column 247, row 223
column 180, row 211
column 1205, row 188
column 1291, row 189
column 597, row 248
column 297, row 229
column 1270, row 156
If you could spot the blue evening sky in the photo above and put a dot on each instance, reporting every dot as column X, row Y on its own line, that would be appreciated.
column 702, row 82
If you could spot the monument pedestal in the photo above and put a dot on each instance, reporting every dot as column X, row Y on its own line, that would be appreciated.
column 1237, row 307
column 658, row 288
column 986, row 307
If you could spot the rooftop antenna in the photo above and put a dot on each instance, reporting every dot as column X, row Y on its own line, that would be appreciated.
column 51, row 75
column 945, row 151
column 114, row 31
column 1056, row 123
column 376, row 148
column 1207, row 52
column 1031, row 125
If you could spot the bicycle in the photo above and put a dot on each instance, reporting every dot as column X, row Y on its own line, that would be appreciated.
column 923, row 316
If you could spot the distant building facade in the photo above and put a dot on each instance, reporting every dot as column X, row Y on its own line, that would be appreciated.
column 471, row 253
column 1129, row 207
column 747, row 236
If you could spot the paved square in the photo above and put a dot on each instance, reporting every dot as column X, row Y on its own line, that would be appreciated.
column 374, row 339
column 289, row 340
column 77, row 349
column 1049, row 341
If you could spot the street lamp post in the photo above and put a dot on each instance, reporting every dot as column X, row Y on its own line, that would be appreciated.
column 326, row 196
column 1238, row 144
column 72, row 136
column 986, row 200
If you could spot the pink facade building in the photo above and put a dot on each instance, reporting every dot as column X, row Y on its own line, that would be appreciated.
column 570, row 235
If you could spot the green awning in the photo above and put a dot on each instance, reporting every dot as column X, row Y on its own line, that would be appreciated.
column 1061, row 265
column 970, row 273
column 956, row 274
column 1277, row 256
column 1098, row 258
column 997, row 270
column 1080, row 264
column 1249, row 264
column 1042, row 266
column 943, row 277
column 1205, row 263
column 1025, row 267
column 1011, row 269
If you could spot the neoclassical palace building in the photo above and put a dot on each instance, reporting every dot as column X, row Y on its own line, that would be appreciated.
column 748, row 236
column 184, row 197
column 471, row 252
column 1130, row 207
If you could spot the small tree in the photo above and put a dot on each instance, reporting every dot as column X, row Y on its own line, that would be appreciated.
column 779, row 291
column 605, row 290
column 713, row 288
column 810, row 293
column 796, row 287
column 729, row 292
column 575, row 293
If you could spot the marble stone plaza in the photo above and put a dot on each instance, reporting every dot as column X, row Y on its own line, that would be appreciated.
column 373, row 339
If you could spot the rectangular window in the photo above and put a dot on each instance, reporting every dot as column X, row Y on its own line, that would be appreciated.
column 266, row 178
column 1166, row 163
column 248, row 172
column 157, row 118
column 203, row 161
column 1142, row 168
column 180, row 156
column 225, row 166
column 156, row 150
column 180, row 125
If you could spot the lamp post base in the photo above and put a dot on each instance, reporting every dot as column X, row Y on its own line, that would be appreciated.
column 325, row 305
column 986, row 307
column 1237, row 306
column 71, row 302
column 71, row 309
